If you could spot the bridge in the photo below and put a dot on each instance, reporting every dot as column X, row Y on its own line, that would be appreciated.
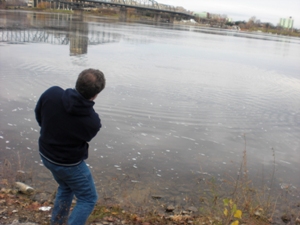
column 141, row 6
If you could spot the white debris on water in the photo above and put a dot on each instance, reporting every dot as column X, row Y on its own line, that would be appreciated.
column 35, row 130
column 135, row 181
column 1, row 137
column 188, row 138
column 109, row 146
column 204, row 173
column 285, row 162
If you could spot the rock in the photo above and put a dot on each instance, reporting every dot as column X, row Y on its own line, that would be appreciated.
column 24, row 188
column 184, row 212
column 41, row 197
column 156, row 196
column 170, row 208
column 23, row 219
column 286, row 218
column 192, row 209
column 297, row 221
column 110, row 219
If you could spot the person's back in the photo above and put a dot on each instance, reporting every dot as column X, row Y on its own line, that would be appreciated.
column 68, row 122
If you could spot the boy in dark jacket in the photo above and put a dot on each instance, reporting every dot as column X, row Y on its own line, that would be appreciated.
column 68, row 122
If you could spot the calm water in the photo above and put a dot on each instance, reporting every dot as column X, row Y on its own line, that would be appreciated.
column 180, row 105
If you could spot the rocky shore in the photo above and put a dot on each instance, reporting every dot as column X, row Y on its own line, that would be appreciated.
column 20, row 204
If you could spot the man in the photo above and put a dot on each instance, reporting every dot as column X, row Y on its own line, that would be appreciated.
column 68, row 121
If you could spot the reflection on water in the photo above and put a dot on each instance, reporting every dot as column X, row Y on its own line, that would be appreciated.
column 54, row 29
column 181, row 103
column 78, row 38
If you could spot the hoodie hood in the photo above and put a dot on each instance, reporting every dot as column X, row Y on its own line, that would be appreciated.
column 76, row 104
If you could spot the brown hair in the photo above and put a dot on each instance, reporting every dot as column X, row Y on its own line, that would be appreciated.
column 90, row 82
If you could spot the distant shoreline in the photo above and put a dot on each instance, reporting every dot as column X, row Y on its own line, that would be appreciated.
column 112, row 14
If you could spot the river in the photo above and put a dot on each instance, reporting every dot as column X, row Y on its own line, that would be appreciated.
column 182, row 104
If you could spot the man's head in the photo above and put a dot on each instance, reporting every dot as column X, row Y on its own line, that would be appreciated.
column 90, row 82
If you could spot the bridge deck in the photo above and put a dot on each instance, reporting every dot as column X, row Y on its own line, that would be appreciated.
column 147, row 5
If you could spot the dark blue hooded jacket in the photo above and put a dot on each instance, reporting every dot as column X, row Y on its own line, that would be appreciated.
column 68, row 121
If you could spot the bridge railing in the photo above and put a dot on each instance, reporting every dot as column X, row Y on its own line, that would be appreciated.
column 151, row 4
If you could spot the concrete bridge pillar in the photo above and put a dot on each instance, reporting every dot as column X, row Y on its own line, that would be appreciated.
column 172, row 18
column 36, row 2
column 157, row 17
column 123, row 14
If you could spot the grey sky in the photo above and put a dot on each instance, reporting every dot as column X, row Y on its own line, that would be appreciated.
column 264, row 10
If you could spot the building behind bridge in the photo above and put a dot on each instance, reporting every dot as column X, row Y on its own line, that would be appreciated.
column 30, row 3
column 286, row 22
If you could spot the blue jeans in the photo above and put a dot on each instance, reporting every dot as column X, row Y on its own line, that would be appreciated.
column 72, row 180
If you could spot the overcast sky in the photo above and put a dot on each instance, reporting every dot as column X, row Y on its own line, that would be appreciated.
column 264, row 10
